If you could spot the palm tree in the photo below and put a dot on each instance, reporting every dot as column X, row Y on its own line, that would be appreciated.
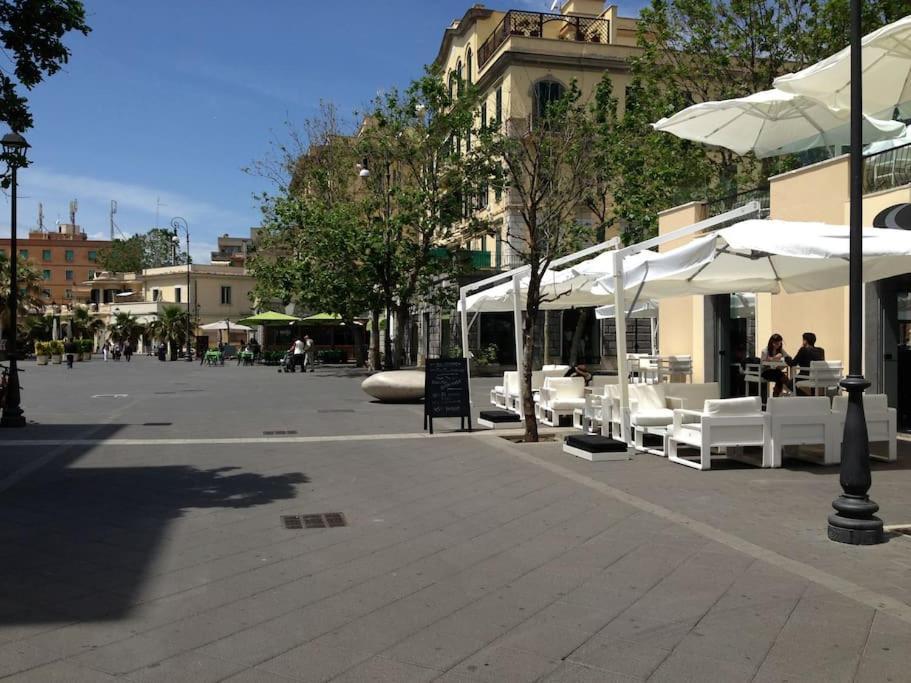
column 125, row 327
column 29, row 287
column 83, row 324
column 171, row 327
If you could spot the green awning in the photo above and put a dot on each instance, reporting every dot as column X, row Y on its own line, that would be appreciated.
column 269, row 318
column 323, row 318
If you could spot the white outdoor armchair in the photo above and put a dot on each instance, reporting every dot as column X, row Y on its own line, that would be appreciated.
column 560, row 396
column 652, row 406
column 498, row 395
column 821, row 375
column 882, row 423
column 801, row 421
column 729, row 424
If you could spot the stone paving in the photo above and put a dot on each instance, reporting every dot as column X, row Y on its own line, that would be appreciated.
column 145, row 551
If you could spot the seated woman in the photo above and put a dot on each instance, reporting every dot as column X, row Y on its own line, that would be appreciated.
column 774, row 351
column 580, row 370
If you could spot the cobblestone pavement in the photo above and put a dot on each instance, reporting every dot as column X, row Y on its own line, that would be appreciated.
column 142, row 540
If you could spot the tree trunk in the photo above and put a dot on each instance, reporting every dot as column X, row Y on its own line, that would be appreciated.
column 375, row 340
column 357, row 334
column 402, row 320
column 388, row 361
column 581, row 322
column 528, row 354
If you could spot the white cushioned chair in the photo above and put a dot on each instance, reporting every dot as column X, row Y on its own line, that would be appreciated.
column 512, row 397
column 590, row 417
column 723, row 423
column 560, row 396
column 801, row 421
column 882, row 422
column 652, row 406
column 499, row 393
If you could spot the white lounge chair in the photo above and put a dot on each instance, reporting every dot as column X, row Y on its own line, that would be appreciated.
column 729, row 423
column 882, row 422
column 675, row 369
column 560, row 396
column 499, row 393
column 801, row 421
column 652, row 406
column 512, row 396
column 554, row 369
column 590, row 417
column 821, row 375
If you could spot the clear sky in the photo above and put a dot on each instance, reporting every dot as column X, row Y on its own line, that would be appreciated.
column 168, row 101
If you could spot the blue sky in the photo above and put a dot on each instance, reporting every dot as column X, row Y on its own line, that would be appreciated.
column 168, row 101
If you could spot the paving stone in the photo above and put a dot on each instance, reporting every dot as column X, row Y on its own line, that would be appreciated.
column 576, row 673
column 500, row 663
column 189, row 667
column 681, row 668
column 313, row 662
column 383, row 670
column 61, row 672
column 620, row 656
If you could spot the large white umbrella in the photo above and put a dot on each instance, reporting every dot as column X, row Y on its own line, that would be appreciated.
column 886, row 60
column 225, row 325
column 771, row 123
column 766, row 256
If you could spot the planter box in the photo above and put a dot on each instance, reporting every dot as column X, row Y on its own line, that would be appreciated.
column 41, row 360
column 87, row 356
column 56, row 359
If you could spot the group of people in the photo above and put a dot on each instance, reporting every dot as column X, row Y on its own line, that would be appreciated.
column 774, row 351
column 302, row 353
column 116, row 350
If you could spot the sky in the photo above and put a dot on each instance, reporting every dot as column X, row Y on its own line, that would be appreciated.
column 164, row 103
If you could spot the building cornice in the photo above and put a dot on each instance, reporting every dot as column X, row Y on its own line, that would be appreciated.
column 466, row 22
column 520, row 58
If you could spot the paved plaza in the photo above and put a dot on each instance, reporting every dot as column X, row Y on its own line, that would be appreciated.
column 141, row 517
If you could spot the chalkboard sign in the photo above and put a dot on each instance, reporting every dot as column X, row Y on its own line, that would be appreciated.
column 446, row 390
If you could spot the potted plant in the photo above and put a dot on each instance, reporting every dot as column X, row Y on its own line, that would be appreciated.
column 86, row 346
column 56, row 349
column 41, row 352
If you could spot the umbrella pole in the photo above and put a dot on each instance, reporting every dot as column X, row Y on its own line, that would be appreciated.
column 620, row 327
column 465, row 353
column 520, row 364
column 854, row 520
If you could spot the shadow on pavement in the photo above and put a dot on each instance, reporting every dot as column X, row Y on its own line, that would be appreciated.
column 78, row 543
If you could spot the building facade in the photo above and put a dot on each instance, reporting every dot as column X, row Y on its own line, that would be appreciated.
column 233, row 251
column 64, row 259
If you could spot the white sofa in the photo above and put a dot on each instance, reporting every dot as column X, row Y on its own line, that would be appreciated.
column 801, row 421
column 652, row 406
column 560, row 396
column 882, row 423
column 730, row 424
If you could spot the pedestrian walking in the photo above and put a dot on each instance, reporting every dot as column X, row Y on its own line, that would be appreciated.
column 309, row 353
column 127, row 350
column 70, row 349
column 105, row 350
column 297, row 355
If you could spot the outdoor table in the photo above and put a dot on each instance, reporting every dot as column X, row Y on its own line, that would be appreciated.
column 245, row 357
column 212, row 358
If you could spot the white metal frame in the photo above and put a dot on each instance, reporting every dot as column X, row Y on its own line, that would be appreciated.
column 801, row 421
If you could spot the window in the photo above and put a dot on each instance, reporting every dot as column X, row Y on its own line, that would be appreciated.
column 483, row 195
column 69, row 276
column 469, row 65
column 93, row 256
column 70, row 256
column 156, row 295
column 546, row 93
column 23, row 253
column 459, row 78
column 498, row 111
column 45, row 274
column 468, row 140
column 483, row 117
column 45, row 254
column 91, row 275
column 226, row 296
column 68, row 294
column 46, row 293
column 177, row 295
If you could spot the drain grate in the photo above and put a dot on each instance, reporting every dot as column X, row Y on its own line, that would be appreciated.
column 276, row 432
column 324, row 520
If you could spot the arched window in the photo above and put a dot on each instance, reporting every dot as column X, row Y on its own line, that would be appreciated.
column 469, row 62
column 451, row 84
column 459, row 78
column 546, row 92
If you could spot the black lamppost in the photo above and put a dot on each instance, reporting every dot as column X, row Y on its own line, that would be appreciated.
column 14, row 148
column 181, row 223
column 854, row 520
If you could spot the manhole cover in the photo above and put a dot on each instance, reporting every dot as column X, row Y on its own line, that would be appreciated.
column 276, row 432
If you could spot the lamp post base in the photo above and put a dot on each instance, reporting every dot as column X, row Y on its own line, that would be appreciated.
column 855, row 522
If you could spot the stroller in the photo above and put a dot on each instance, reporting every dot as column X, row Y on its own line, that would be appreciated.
column 287, row 364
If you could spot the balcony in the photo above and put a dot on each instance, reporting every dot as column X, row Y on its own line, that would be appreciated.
column 475, row 260
column 541, row 25
column 720, row 205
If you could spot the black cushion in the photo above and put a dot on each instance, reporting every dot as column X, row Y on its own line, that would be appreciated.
column 595, row 443
column 499, row 416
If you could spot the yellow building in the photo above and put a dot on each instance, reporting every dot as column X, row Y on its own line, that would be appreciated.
column 819, row 192
column 521, row 60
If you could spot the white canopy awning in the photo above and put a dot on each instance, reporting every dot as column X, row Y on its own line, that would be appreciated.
column 766, row 256
column 886, row 59
column 225, row 325
column 771, row 123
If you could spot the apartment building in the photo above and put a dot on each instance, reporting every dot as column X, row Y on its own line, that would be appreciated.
column 63, row 258
column 233, row 251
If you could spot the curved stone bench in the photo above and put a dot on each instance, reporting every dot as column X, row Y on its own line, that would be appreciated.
column 395, row 386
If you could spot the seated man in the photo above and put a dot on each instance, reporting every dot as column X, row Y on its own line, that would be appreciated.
column 580, row 370
column 807, row 353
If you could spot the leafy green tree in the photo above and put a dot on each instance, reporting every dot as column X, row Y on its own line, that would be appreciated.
column 154, row 249
column 170, row 328
column 125, row 327
column 29, row 290
column 31, row 34
column 83, row 324
column 551, row 162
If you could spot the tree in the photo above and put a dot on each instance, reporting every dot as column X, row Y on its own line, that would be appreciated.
column 125, row 327
column 154, row 249
column 29, row 290
column 83, row 324
column 31, row 33
column 170, row 328
column 550, row 162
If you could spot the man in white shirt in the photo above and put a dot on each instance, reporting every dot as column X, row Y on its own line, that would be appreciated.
column 309, row 358
column 297, row 355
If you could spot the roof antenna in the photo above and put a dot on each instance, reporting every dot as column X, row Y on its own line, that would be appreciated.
column 41, row 216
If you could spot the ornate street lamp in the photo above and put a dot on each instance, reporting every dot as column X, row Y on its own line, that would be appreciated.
column 14, row 149
column 854, row 520
column 181, row 224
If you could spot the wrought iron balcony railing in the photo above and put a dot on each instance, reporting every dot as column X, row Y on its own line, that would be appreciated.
column 543, row 25
column 888, row 169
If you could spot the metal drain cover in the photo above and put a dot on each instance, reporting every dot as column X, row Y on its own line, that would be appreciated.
column 276, row 432
column 322, row 520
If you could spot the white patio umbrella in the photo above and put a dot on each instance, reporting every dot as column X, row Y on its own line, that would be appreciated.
column 886, row 59
column 771, row 123
column 225, row 325
column 766, row 256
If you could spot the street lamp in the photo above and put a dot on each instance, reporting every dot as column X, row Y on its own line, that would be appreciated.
column 854, row 520
column 181, row 223
column 14, row 149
